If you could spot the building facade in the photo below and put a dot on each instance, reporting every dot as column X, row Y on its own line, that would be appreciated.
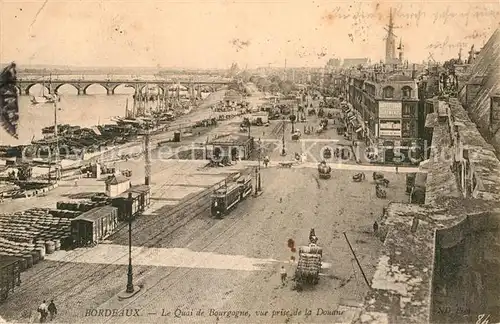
column 392, row 116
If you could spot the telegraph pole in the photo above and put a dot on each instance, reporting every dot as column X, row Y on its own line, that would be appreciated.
column 259, row 184
column 147, row 156
column 283, row 151
column 56, row 153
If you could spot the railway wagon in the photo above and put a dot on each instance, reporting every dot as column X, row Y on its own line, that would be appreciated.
column 10, row 275
column 144, row 196
column 227, row 197
column 141, row 198
column 94, row 226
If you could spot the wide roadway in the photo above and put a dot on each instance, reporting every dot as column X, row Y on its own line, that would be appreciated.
column 293, row 202
column 219, row 276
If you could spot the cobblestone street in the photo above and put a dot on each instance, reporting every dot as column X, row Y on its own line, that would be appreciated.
column 212, row 253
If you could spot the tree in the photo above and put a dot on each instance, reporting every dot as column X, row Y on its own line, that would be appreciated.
column 233, row 71
column 274, row 87
column 245, row 76
column 263, row 84
column 254, row 79
column 286, row 87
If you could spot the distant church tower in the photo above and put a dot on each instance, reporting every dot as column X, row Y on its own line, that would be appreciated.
column 400, row 49
column 390, row 42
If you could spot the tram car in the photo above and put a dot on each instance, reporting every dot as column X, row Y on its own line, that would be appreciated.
column 246, row 183
column 227, row 197
column 94, row 226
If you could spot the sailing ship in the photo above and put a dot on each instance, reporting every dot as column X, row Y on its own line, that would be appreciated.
column 42, row 98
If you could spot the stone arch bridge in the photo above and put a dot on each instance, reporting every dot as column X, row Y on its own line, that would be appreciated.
column 24, row 85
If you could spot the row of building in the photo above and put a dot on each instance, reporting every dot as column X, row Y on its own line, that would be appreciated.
column 441, row 259
column 392, row 104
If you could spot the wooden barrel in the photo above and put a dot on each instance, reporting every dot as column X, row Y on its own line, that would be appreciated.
column 50, row 247
column 41, row 251
column 35, row 255
column 29, row 260
column 22, row 261
column 57, row 244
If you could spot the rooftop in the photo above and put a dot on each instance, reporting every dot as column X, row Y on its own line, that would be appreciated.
column 116, row 179
column 96, row 213
column 399, row 77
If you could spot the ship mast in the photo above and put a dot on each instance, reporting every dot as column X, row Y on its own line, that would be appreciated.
column 56, row 134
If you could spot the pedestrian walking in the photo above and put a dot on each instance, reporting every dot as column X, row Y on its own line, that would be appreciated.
column 52, row 310
column 44, row 311
column 283, row 275
column 397, row 169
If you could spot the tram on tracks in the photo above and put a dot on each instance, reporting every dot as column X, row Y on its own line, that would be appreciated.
column 226, row 198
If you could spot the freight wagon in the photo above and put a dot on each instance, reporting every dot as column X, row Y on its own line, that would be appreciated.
column 94, row 226
column 141, row 198
column 10, row 275
column 227, row 197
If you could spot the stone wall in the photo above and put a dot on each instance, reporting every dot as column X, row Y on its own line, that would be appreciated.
column 466, row 270
column 445, row 269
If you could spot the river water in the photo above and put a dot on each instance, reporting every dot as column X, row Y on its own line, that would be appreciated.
column 86, row 110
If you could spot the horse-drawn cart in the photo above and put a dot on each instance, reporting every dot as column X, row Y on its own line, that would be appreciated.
column 383, row 182
column 381, row 193
column 380, row 180
column 309, row 265
column 358, row 177
column 324, row 171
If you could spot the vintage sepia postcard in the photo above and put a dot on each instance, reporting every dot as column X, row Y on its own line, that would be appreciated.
column 282, row 161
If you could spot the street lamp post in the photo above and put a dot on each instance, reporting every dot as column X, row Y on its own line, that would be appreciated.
column 130, row 285
column 283, row 151
column 292, row 119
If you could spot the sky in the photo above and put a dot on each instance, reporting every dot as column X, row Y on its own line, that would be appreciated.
column 213, row 34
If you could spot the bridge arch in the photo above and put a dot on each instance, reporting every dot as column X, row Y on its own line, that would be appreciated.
column 132, row 87
column 59, row 86
column 29, row 86
column 142, row 88
column 87, row 86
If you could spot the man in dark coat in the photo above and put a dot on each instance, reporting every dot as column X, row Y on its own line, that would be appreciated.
column 52, row 310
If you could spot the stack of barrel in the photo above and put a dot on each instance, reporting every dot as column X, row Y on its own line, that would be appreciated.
column 31, row 234
column 61, row 213
column 80, row 206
